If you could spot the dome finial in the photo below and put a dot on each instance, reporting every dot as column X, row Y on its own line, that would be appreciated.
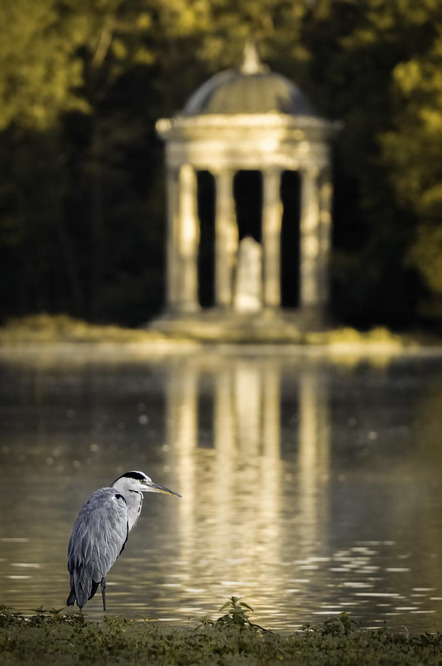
column 251, row 62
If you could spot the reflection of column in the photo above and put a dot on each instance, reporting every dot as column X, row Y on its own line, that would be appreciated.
column 224, row 438
column 248, row 392
column 313, row 456
column 325, row 219
column 226, row 231
column 172, row 239
column 182, row 422
column 270, row 482
column 271, row 231
column 188, row 235
column 224, row 441
column 310, row 272
column 271, row 427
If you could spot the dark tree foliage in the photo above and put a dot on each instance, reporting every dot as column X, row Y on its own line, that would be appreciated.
column 82, row 205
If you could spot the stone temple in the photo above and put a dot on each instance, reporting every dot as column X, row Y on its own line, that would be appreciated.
column 248, row 121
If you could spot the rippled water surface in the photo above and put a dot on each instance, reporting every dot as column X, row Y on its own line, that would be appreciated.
column 309, row 487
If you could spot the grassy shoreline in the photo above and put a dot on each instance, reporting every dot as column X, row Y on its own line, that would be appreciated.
column 64, row 638
column 62, row 329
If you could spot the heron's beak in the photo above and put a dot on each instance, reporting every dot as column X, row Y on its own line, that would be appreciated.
column 155, row 488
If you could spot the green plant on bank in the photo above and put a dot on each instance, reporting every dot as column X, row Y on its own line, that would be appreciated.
column 236, row 615
column 342, row 624
column 41, row 617
column 63, row 638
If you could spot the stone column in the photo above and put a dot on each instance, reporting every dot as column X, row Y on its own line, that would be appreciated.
column 226, row 238
column 310, row 272
column 271, row 235
column 188, row 240
column 172, row 286
column 325, row 221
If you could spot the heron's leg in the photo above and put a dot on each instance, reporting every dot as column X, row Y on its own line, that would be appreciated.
column 103, row 593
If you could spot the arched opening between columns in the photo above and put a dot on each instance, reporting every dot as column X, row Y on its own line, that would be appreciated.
column 206, row 251
column 290, row 190
column 247, row 192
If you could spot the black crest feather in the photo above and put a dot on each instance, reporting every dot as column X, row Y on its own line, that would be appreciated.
column 131, row 475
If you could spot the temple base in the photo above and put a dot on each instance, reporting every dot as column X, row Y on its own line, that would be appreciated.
column 225, row 325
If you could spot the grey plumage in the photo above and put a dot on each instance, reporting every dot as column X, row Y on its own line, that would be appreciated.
column 91, row 552
column 101, row 531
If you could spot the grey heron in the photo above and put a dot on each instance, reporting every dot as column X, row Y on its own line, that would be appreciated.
column 101, row 531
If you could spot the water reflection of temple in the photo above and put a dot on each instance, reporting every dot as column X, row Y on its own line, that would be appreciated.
column 225, row 421
column 308, row 485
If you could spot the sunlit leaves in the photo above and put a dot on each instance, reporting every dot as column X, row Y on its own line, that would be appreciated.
column 426, row 254
column 413, row 151
column 38, row 71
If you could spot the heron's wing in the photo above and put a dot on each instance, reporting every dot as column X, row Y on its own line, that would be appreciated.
column 97, row 539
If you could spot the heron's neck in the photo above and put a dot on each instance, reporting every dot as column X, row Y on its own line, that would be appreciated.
column 134, row 501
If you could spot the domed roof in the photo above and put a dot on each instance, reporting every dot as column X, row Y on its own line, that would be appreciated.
column 253, row 88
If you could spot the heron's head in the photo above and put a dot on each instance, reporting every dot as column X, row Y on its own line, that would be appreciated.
column 141, row 483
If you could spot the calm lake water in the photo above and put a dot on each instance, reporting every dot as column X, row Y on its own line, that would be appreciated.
column 309, row 487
